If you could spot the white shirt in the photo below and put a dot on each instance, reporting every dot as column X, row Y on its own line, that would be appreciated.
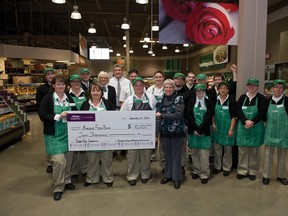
column 128, row 103
column 155, row 91
column 202, row 102
column 57, row 102
column 123, row 82
column 222, row 102
column 126, row 91
column 277, row 99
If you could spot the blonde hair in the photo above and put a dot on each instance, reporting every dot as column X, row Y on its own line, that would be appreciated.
column 169, row 82
column 103, row 73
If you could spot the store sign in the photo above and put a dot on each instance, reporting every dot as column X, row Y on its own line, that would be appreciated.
column 207, row 63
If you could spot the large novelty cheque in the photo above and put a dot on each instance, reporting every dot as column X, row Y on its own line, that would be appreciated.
column 111, row 130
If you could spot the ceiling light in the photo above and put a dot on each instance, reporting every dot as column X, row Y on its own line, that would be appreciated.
column 146, row 38
column 118, row 54
column 177, row 50
column 124, row 37
column 131, row 50
column 145, row 45
column 150, row 52
column 110, row 49
column 125, row 24
column 75, row 13
column 164, row 47
column 153, row 54
column 155, row 26
column 142, row 1
column 185, row 45
column 92, row 30
column 59, row 1
column 124, row 45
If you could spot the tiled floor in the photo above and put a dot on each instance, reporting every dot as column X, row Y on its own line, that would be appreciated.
column 25, row 190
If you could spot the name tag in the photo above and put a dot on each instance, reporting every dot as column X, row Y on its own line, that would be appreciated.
column 225, row 107
column 100, row 109
column 72, row 104
column 145, row 101
column 81, row 98
column 244, row 107
column 280, row 106
column 202, row 108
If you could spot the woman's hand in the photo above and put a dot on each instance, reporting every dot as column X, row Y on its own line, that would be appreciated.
column 196, row 133
column 214, row 128
column 158, row 114
column 230, row 133
column 249, row 124
column 63, row 114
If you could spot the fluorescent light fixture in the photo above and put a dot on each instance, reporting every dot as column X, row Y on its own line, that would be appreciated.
column 59, row 1
column 124, row 45
column 75, row 13
column 177, row 50
column 146, row 38
column 125, row 24
column 164, row 47
column 142, row 1
column 124, row 37
column 185, row 45
column 131, row 50
column 145, row 45
column 118, row 54
column 150, row 52
column 155, row 26
column 111, row 50
column 92, row 30
column 153, row 54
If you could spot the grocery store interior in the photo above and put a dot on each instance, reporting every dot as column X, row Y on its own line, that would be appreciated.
column 38, row 34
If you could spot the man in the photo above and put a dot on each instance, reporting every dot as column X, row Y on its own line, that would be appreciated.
column 128, row 90
column 276, row 133
column 109, row 92
column 190, row 82
column 40, row 93
column 118, row 82
column 210, row 93
column 138, row 160
column 85, row 78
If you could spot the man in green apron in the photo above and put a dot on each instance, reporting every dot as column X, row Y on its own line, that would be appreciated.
column 276, row 134
column 77, row 97
column 199, row 113
column 138, row 160
column 251, row 111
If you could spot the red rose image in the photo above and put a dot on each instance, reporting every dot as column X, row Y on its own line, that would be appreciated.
column 209, row 24
column 177, row 9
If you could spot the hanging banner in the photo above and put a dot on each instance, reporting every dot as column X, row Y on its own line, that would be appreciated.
column 111, row 130
column 198, row 22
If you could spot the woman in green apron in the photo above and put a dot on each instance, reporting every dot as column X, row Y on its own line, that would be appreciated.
column 223, row 125
column 199, row 113
column 276, row 134
column 53, row 110
column 139, row 162
column 157, row 91
column 98, row 103
column 77, row 96
column 251, row 111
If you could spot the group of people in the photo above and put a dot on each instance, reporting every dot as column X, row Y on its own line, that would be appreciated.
column 187, row 111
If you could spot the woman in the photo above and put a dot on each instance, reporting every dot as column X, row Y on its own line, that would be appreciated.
column 157, row 91
column 171, row 113
column 251, row 111
column 77, row 96
column 138, row 160
column 199, row 113
column 276, row 135
column 223, row 125
column 53, row 110
column 98, row 103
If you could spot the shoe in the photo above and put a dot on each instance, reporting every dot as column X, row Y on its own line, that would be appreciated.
column 144, row 181
column 216, row 171
column 49, row 169
column 266, row 181
column 109, row 184
column 70, row 186
column 163, row 170
column 165, row 180
column 226, row 173
column 282, row 181
column 57, row 196
column 252, row 177
column 183, row 170
column 132, row 182
column 87, row 184
column 177, row 184
column 195, row 176
column 239, row 176
column 204, row 181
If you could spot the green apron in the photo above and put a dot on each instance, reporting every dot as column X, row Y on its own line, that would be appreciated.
column 276, row 134
column 158, row 97
column 199, row 142
column 222, row 120
column 79, row 101
column 58, row 143
column 100, row 108
column 252, row 137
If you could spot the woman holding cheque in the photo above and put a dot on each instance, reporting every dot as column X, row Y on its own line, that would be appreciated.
column 97, row 103
column 170, row 111
column 52, row 111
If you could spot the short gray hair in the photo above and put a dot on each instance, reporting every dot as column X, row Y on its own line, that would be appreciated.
column 169, row 82
column 103, row 73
